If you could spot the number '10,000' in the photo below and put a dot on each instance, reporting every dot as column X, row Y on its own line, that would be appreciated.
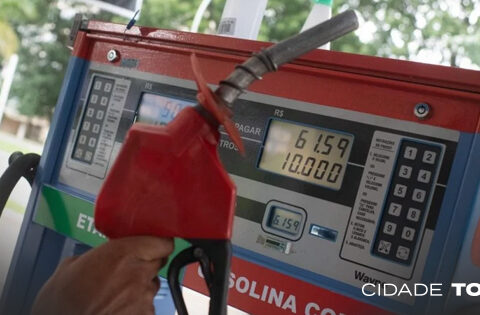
column 310, row 166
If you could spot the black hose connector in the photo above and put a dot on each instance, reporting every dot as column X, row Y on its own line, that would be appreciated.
column 20, row 165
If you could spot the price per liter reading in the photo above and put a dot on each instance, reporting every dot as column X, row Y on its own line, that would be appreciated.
column 285, row 220
column 310, row 154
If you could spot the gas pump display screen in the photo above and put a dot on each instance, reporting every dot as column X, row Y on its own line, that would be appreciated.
column 159, row 109
column 285, row 220
column 312, row 154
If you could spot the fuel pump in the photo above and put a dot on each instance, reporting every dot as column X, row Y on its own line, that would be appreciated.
column 177, row 168
column 358, row 171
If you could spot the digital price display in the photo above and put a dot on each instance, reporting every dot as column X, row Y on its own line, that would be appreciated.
column 310, row 154
column 158, row 109
column 285, row 220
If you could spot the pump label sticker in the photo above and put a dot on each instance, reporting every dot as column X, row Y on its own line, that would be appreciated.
column 257, row 290
column 227, row 26
column 368, row 205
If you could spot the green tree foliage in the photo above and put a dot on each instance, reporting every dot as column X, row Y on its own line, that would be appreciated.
column 443, row 30
column 8, row 36
column 43, row 29
column 171, row 14
column 42, row 54
column 8, row 41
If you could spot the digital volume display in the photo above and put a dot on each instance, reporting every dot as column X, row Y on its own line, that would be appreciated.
column 311, row 154
column 158, row 109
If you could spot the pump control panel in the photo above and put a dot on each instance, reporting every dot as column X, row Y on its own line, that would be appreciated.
column 341, row 183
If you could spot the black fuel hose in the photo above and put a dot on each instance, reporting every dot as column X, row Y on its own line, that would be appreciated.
column 20, row 165
column 269, row 59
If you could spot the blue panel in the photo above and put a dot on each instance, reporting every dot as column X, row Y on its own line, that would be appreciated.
column 444, row 248
column 163, row 302
column 467, row 209
column 38, row 249
column 47, row 261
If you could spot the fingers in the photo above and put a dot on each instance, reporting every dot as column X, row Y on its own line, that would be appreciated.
column 151, row 268
column 151, row 290
column 148, row 248
column 130, row 301
column 68, row 261
column 118, row 277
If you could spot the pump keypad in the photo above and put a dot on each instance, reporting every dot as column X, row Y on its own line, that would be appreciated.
column 94, row 114
column 407, row 201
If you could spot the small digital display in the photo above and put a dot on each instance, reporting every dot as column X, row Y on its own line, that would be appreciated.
column 285, row 220
column 315, row 155
column 158, row 109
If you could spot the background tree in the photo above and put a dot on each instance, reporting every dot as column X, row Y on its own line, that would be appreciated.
column 8, row 41
column 43, row 55
column 437, row 31
column 8, row 37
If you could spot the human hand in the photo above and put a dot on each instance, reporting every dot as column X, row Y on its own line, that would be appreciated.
column 119, row 277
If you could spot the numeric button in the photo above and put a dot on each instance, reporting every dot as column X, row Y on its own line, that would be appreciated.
column 82, row 139
column 405, row 171
column 410, row 153
column 408, row 233
column 413, row 214
column 90, row 112
column 92, row 142
column 389, row 228
column 108, row 87
column 429, row 157
column 104, row 101
column 100, row 114
column 86, row 126
column 400, row 190
column 424, row 176
column 418, row 195
column 96, row 128
column 395, row 209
